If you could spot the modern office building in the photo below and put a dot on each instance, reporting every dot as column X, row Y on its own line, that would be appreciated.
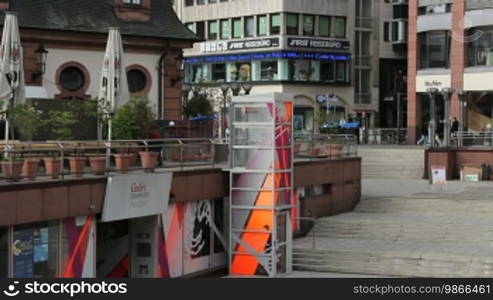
column 318, row 50
column 450, row 48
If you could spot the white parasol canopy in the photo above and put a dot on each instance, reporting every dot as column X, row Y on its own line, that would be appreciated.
column 113, row 86
column 12, row 84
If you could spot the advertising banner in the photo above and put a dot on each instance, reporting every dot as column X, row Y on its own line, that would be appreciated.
column 134, row 196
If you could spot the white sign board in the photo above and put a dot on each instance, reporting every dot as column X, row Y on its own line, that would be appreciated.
column 135, row 196
column 438, row 175
column 424, row 82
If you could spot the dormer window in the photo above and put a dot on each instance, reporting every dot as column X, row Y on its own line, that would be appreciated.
column 132, row 2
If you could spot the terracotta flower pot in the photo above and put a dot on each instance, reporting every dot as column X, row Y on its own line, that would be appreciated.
column 12, row 170
column 296, row 148
column 148, row 160
column 98, row 164
column 77, row 165
column 334, row 150
column 313, row 151
column 53, row 166
column 121, row 162
column 30, row 168
column 132, row 159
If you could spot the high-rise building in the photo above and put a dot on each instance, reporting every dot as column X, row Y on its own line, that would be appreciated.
column 321, row 51
column 450, row 61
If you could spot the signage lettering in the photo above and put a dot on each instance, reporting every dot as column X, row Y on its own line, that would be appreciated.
column 318, row 44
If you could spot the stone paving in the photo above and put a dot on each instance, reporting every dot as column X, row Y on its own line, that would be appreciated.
column 405, row 228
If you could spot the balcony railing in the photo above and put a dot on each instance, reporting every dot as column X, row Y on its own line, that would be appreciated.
column 325, row 146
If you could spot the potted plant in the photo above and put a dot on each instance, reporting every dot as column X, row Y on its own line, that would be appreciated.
column 27, row 120
column 132, row 122
column 122, row 161
column 334, row 150
column 313, row 149
column 148, row 159
column 98, row 164
column 12, row 168
column 52, row 166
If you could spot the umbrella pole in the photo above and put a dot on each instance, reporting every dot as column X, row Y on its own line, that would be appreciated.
column 108, row 149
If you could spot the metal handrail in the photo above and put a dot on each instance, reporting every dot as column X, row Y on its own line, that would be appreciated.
column 313, row 228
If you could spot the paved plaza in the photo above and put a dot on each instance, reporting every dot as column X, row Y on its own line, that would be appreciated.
column 405, row 228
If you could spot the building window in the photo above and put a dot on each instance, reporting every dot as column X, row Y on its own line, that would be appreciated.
column 261, row 25
column 275, row 24
column 301, row 70
column 480, row 50
column 188, row 2
column 386, row 31
column 200, row 2
column 236, row 28
column 435, row 9
column 240, row 71
column 72, row 78
column 324, row 26
column 219, row 72
column 249, row 27
column 4, row 252
column 268, row 70
column 327, row 71
column 308, row 25
column 139, row 79
column 200, row 29
column 292, row 24
column 434, row 49
column 212, row 32
column 340, row 27
column 35, row 250
column 132, row 2
column 224, row 29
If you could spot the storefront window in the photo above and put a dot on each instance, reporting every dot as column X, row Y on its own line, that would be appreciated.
column 219, row 72
column 324, row 26
column 35, row 250
column 308, row 25
column 3, row 252
column 292, row 24
column 480, row 50
column 340, row 27
column 249, row 27
column 212, row 30
column 275, row 24
column 327, row 71
column 341, row 71
column 268, row 70
column 301, row 70
column 434, row 49
column 197, row 73
column 262, row 25
column 236, row 28
column 224, row 29
column 240, row 71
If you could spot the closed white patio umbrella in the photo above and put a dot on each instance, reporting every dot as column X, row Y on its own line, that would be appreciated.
column 12, row 84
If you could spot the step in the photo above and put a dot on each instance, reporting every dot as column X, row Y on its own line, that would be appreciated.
column 395, row 258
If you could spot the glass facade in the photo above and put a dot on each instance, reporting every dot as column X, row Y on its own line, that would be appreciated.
column 290, row 66
column 35, row 249
column 434, row 49
column 3, row 252
column 261, row 25
column 236, row 28
column 212, row 31
column 249, row 27
column 480, row 49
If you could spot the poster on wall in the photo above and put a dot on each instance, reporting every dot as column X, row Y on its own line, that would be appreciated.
column 22, row 249
column 438, row 175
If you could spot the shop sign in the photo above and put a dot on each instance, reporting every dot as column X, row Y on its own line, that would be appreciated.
column 135, row 196
column 253, row 44
column 424, row 82
column 318, row 44
column 438, row 175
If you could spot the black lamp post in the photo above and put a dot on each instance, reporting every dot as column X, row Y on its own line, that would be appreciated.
column 432, row 126
column 41, row 55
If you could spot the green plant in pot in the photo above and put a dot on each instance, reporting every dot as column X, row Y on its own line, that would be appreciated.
column 26, row 118
column 132, row 122
column 61, row 125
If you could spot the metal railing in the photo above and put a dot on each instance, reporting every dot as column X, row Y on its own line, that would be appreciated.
column 171, row 153
column 323, row 146
column 472, row 139
column 387, row 136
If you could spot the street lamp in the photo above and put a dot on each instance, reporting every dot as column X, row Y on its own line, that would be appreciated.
column 462, row 104
column 432, row 126
column 224, row 88
column 247, row 88
column 235, row 88
column 446, row 93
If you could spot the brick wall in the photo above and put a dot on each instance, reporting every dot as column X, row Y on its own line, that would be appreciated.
column 457, row 61
column 413, row 100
